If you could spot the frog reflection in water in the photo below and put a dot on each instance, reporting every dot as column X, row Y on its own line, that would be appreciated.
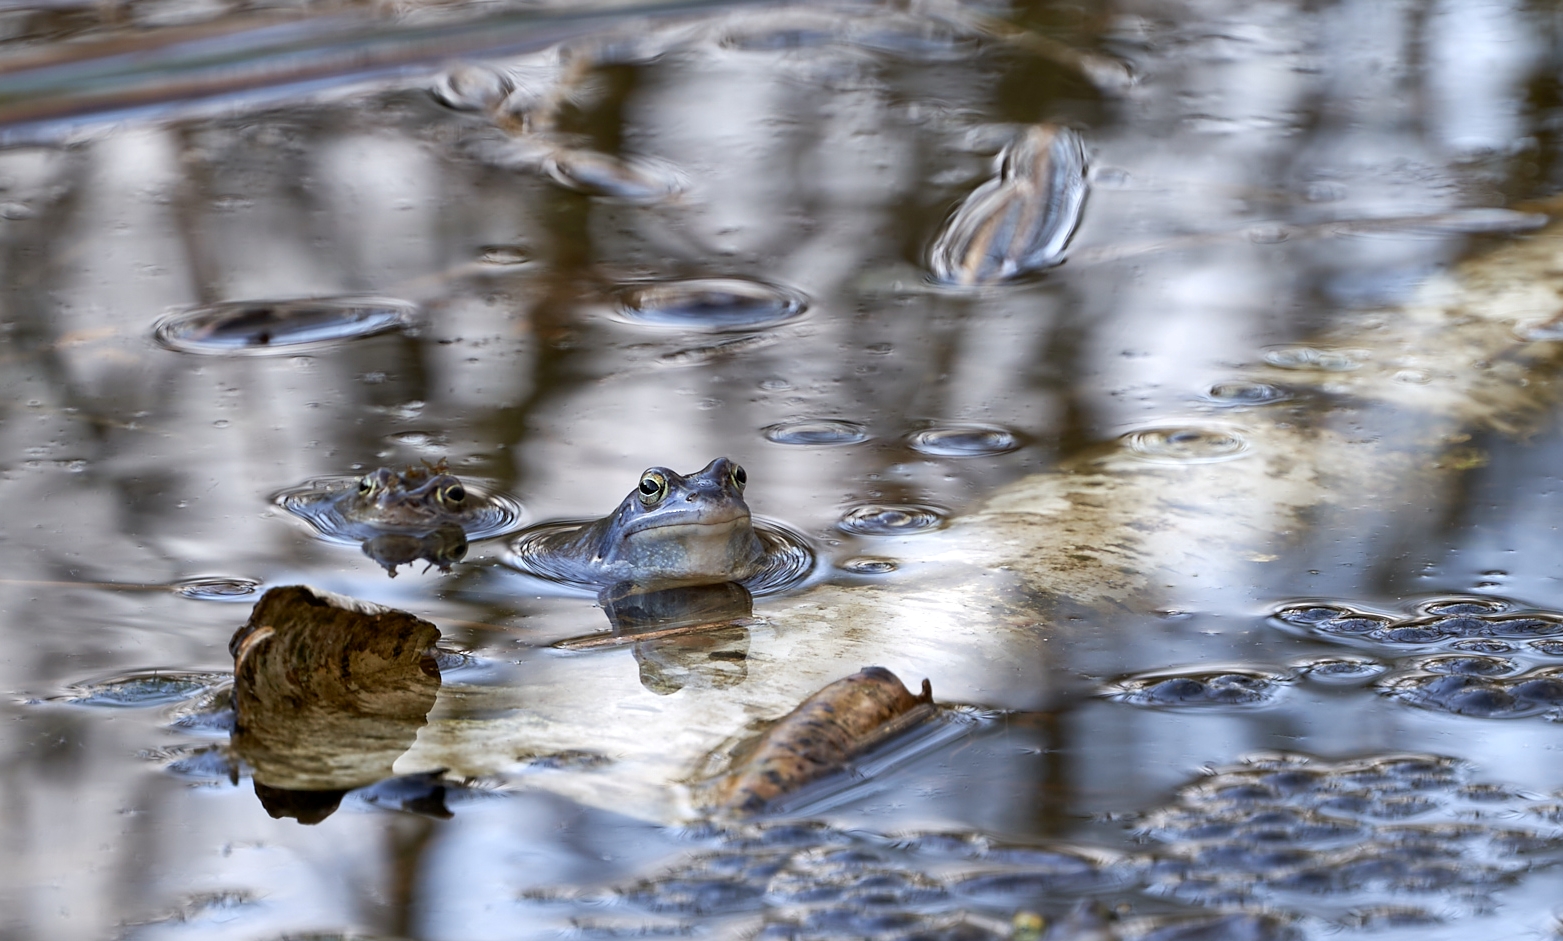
column 415, row 515
column 671, row 530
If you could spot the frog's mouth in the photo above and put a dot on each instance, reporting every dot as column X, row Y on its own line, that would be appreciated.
column 704, row 527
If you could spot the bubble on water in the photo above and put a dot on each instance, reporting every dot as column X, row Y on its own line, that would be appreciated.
column 627, row 179
column 1246, row 393
column 282, row 326
column 868, row 565
column 710, row 304
column 891, row 519
column 501, row 256
column 1307, row 357
column 1186, row 445
column 216, row 587
column 1204, row 688
column 144, row 688
column 963, row 440
column 816, row 432
column 469, row 87
column 1342, row 669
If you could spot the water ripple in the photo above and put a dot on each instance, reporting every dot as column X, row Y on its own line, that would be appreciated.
column 892, row 519
column 815, row 431
column 788, row 559
column 1186, row 445
column 216, row 588
column 710, row 304
column 281, row 326
column 963, row 440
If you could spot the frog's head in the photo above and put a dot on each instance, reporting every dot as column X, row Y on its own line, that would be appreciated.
column 683, row 529
column 418, row 497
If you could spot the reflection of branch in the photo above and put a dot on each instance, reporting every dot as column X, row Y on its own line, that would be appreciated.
column 1109, row 75
column 263, row 58
column 603, row 640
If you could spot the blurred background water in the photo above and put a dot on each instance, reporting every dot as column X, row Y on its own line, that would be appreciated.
column 816, row 152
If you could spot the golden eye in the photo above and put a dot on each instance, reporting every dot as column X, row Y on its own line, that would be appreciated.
column 653, row 487
column 740, row 478
column 366, row 485
column 452, row 494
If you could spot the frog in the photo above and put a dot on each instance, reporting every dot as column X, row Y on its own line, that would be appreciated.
column 418, row 499
column 672, row 529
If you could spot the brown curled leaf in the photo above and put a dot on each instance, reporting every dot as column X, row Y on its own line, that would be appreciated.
column 329, row 691
column 819, row 737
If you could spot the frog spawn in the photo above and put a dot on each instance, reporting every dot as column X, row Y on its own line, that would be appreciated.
column 1489, row 669
column 1380, row 840
column 1343, row 837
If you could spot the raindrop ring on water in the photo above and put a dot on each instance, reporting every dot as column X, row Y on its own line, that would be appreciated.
column 1186, row 445
column 868, row 565
column 891, row 519
column 815, row 431
column 1246, row 393
column 710, row 304
column 264, row 327
column 963, row 440
column 216, row 588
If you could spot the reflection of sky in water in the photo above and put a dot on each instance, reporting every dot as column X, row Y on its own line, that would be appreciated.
column 823, row 171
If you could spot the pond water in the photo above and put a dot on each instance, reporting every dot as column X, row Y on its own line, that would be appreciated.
column 254, row 252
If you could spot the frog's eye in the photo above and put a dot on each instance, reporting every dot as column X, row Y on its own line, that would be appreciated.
column 653, row 487
column 366, row 485
column 452, row 494
column 740, row 477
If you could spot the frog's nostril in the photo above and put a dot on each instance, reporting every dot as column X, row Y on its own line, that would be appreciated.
column 690, row 499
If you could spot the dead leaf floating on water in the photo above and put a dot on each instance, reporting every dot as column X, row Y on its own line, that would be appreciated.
column 819, row 737
column 1019, row 221
column 328, row 693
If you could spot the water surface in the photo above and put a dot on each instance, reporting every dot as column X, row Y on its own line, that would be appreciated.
column 1290, row 742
